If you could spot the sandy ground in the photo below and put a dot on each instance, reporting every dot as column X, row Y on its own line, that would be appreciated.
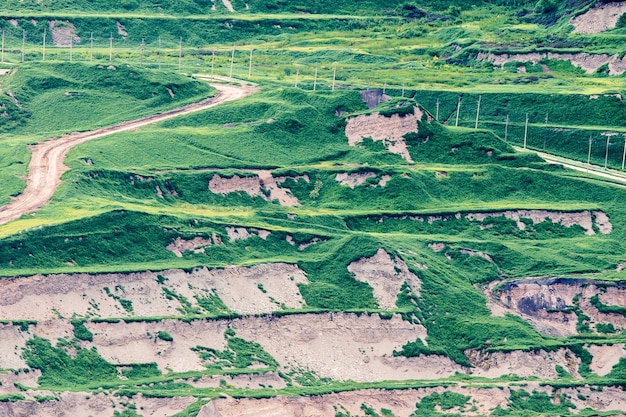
column 389, row 130
column 246, row 290
column 123, row 343
column 538, row 302
column 257, row 186
column 599, row 18
column 402, row 402
column 588, row 62
column 585, row 219
column 605, row 357
column 74, row 404
column 46, row 164
column 63, row 33
column 385, row 276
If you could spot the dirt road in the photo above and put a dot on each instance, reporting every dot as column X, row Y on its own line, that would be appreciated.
column 596, row 170
column 46, row 164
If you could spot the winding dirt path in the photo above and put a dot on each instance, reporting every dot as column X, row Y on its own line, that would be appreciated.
column 46, row 164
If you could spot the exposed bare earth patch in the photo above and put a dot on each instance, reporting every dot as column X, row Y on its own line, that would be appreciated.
column 355, row 179
column 605, row 357
column 345, row 346
column 402, row 402
column 94, row 405
column 389, row 130
column 263, row 185
column 524, row 364
column 63, row 33
column 122, row 343
column 546, row 304
column 588, row 62
column 587, row 220
column 196, row 244
column 386, row 276
column 601, row 17
column 86, row 296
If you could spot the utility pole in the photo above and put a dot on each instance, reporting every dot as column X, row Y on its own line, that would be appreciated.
column 91, row 48
column 111, row 47
column 384, row 87
column 2, row 58
column 334, row 77
column 606, row 154
column 143, row 47
column 159, row 52
column 180, row 53
column 477, row 112
column 545, row 132
column 458, row 110
column 232, row 61
column 71, row 48
column 402, row 90
column 526, row 131
column 23, row 43
column 506, row 128
column 212, row 63
column 297, row 74
column 624, row 154
column 589, row 153
column 44, row 45
column 315, row 79
column 437, row 111
column 250, row 65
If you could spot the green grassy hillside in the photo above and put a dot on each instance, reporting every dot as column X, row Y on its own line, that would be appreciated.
column 359, row 237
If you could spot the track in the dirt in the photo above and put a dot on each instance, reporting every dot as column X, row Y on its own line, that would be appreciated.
column 46, row 164
column 595, row 170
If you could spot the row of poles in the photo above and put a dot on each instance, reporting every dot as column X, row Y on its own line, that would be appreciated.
column 142, row 48
column 525, row 140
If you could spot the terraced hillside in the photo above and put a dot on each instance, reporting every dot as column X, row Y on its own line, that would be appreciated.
column 316, row 246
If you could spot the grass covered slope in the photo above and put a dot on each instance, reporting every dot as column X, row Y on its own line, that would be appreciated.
column 332, row 243
column 297, row 221
column 62, row 98
column 47, row 100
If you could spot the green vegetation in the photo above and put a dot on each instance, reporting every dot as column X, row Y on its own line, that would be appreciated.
column 459, row 210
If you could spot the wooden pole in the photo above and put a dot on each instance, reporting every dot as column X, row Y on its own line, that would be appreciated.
column 437, row 111
column 91, row 48
column 402, row 90
column 315, row 79
column 2, row 58
column 159, row 52
column 458, row 110
column 180, row 53
column 143, row 48
column 297, row 74
column 111, row 47
column 232, row 61
column 506, row 128
column 334, row 77
column 250, row 65
column 624, row 154
column 477, row 112
column 545, row 132
column 606, row 154
column 589, row 153
column 44, row 44
column 526, row 131
column 23, row 44
column 71, row 48
column 212, row 63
